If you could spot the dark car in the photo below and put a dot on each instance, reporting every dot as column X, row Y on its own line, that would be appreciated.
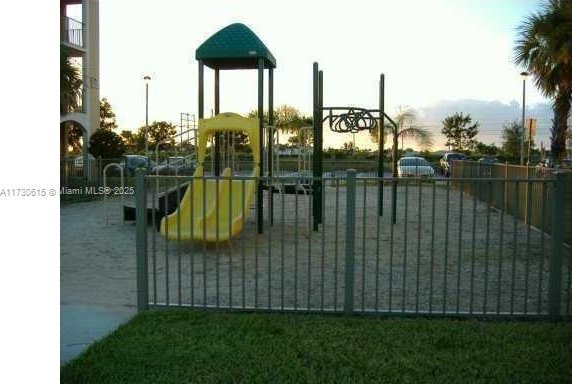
column 130, row 163
column 447, row 160
column 175, row 165
column 488, row 160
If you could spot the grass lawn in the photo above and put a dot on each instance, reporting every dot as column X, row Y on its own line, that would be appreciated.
column 182, row 346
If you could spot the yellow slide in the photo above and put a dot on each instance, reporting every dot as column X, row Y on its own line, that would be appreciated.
column 210, row 210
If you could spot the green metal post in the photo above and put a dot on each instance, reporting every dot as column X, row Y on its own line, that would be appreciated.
column 320, row 145
column 201, row 95
column 350, row 241
column 141, row 240
column 216, row 112
column 316, row 154
column 555, row 276
column 259, row 196
column 381, row 140
column 270, row 143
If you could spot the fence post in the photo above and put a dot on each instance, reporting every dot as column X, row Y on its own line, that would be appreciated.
column 350, row 240
column 141, row 240
column 555, row 277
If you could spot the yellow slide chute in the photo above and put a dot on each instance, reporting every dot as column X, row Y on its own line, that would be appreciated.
column 210, row 210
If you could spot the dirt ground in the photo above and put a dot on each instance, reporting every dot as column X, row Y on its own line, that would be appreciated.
column 457, row 256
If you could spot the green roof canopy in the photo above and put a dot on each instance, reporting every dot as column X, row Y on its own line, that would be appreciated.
column 234, row 47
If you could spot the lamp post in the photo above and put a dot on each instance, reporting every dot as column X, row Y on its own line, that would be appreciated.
column 523, row 74
column 147, row 79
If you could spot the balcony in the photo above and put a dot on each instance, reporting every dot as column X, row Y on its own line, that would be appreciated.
column 72, row 32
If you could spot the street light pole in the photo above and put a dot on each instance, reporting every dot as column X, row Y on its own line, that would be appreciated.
column 146, row 78
column 523, row 74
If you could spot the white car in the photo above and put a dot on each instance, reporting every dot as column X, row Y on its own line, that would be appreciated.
column 414, row 167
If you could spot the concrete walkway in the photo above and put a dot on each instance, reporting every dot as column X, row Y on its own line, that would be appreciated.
column 97, row 274
column 81, row 325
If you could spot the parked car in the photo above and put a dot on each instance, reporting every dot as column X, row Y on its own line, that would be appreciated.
column 130, row 163
column 414, row 167
column 447, row 161
column 175, row 165
column 488, row 160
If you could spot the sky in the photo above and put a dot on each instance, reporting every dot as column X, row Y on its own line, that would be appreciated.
column 437, row 56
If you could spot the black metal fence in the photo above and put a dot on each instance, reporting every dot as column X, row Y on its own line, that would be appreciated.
column 448, row 253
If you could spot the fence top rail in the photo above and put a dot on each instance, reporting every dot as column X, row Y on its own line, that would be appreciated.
column 551, row 178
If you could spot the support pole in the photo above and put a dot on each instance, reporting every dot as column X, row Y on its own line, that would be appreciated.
column 259, row 195
column 270, row 142
column 320, row 159
column 216, row 112
column 381, row 140
column 316, row 155
column 201, row 90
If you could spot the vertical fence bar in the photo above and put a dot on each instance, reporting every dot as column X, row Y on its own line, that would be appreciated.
column 296, row 247
column 447, row 204
column 555, row 277
column 283, row 236
column 515, row 222
column 204, row 210
column 527, row 216
column 217, row 246
column 192, row 250
column 336, row 227
column 141, row 241
column 242, row 248
column 391, row 235
column 403, row 283
column 377, row 241
column 487, row 240
column 153, row 240
column 350, row 240
column 270, row 229
column 165, row 213
column 363, row 231
column 542, row 232
column 309, row 272
column 501, row 248
column 432, row 256
column 459, row 247
column 323, row 244
column 230, row 216
column 179, row 267
column 473, row 240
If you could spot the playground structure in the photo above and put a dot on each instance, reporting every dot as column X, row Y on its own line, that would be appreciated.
column 214, row 210
column 237, row 47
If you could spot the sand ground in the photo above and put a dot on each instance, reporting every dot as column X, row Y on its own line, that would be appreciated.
column 457, row 256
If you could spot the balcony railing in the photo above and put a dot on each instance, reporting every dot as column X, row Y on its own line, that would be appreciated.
column 72, row 31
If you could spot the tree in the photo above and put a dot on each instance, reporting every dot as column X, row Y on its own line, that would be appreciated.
column 106, row 144
column 70, row 101
column 404, row 127
column 484, row 149
column 70, row 83
column 158, row 131
column 511, row 136
column 543, row 48
column 132, row 141
column 460, row 133
column 287, row 119
column 106, row 115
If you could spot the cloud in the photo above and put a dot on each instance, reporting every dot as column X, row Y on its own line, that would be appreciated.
column 491, row 116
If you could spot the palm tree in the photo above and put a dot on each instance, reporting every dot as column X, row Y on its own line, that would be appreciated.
column 70, row 96
column 70, row 83
column 544, row 49
column 404, row 127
